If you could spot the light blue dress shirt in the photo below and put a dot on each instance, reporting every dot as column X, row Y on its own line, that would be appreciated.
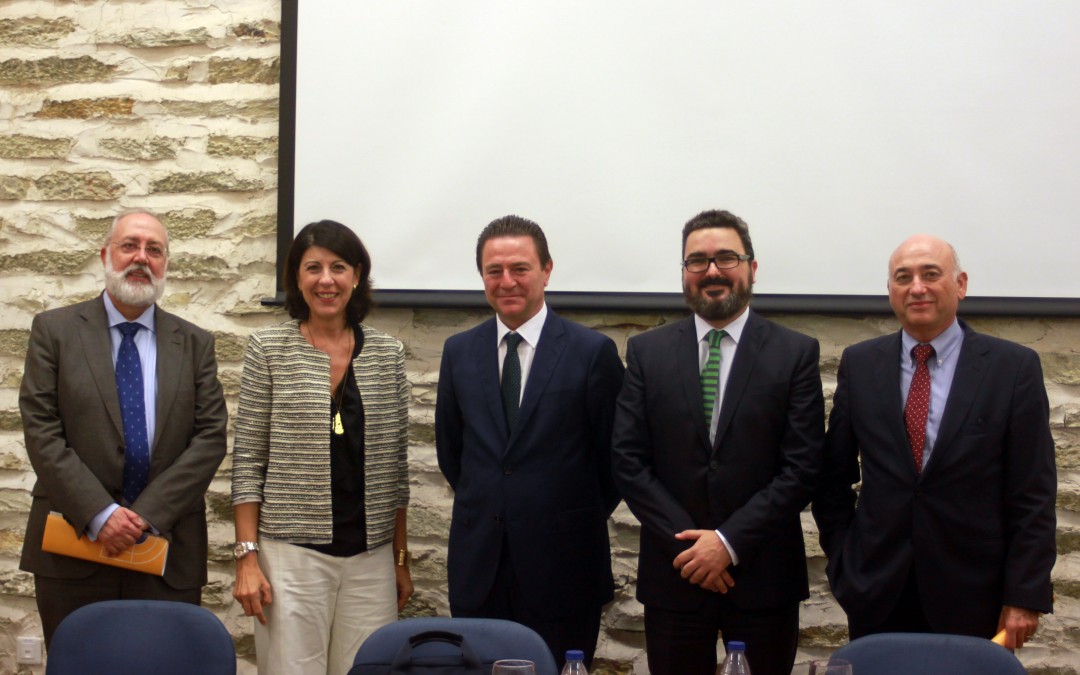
column 146, row 343
column 942, row 368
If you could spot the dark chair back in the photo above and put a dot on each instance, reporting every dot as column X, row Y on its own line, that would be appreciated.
column 928, row 654
column 141, row 636
column 489, row 639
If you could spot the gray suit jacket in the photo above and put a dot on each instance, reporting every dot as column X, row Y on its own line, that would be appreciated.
column 75, row 440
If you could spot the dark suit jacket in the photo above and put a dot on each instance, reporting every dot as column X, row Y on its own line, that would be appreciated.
column 544, row 487
column 75, row 438
column 752, row 484
column 978, row 524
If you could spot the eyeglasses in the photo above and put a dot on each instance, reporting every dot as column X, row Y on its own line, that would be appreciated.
column 131, row 248
column 723, row 261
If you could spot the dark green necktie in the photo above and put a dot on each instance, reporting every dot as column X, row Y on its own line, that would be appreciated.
column 710, row 374
column 511, row 379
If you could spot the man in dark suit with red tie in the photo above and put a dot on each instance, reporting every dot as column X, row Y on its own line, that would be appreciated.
column 952, row 530
column 717, row 446
column 523, row 435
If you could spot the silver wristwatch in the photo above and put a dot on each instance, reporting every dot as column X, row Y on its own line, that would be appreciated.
column 242, row 548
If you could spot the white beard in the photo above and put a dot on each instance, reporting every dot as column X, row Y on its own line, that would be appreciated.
column 132, row 293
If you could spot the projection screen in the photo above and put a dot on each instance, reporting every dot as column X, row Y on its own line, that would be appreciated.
column 834, row 128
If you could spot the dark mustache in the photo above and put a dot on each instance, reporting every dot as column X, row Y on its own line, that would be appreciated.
column 716, row 281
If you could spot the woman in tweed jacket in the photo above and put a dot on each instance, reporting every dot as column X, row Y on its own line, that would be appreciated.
column 320, row 476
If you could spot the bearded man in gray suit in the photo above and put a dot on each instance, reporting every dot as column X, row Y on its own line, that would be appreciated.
column 116, row 470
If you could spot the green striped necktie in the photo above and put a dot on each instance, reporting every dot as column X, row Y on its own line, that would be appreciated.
column 710, row 374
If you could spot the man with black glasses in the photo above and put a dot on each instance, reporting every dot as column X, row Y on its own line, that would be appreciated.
column 717, row 445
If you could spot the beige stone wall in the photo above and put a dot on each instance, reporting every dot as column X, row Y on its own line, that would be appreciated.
column 172, row 105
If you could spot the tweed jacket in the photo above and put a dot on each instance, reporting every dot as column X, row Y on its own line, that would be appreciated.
column 281, row 455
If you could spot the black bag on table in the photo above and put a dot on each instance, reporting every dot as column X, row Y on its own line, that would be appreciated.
column 434, row 652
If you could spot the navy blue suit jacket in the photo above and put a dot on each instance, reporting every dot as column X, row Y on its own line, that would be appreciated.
column 978, row 523
column 543, row 488
column 752, row 483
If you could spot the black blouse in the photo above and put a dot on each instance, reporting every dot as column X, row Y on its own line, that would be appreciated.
column 347, row 466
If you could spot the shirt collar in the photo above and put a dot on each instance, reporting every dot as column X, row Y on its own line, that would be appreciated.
column 733, row 329
column 146, row 319
column 945, row 345
column 530, row 330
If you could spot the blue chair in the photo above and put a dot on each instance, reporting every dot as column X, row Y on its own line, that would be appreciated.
column 141, row 636
column 928, row 654
column 489, row 639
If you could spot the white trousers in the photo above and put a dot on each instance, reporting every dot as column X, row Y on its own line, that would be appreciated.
column 323, row 607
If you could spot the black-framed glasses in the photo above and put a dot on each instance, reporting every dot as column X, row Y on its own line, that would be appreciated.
column 723, row 261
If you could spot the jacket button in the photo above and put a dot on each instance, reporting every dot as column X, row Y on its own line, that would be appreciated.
column 498, row 520
column 507, row 471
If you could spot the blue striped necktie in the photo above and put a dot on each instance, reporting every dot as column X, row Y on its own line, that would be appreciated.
column 710, row 374
column 129, row 386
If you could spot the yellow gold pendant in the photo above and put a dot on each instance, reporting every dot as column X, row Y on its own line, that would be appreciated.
column 339, row 428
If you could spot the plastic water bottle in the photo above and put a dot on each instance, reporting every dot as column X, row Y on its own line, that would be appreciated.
column 735, row 662
column 575, row 663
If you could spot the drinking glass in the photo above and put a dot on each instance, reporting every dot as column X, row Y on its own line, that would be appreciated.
column 831, row 667
column 513, row 667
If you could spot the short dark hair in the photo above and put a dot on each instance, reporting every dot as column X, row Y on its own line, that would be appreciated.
column 513, row 226
column 715, row 218
column 342, row 241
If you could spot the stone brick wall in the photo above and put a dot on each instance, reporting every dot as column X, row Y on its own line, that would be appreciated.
column 172, row 105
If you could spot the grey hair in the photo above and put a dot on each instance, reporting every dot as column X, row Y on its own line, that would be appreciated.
column 131, row 212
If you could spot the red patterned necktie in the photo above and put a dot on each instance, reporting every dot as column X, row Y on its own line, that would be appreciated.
column 918, row 404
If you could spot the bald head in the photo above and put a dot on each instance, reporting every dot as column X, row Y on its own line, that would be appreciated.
column 926, row 285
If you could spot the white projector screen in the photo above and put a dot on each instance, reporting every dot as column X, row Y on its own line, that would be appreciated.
column 834, row 128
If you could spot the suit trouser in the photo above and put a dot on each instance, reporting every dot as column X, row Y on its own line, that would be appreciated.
column 56, row 598
column 576, row 631
column 684, row 643
column 323, row 607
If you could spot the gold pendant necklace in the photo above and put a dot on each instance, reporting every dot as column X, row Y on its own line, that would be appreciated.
column 336, row 426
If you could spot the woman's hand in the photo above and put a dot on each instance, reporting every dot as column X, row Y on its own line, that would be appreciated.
column 252, row 590
column 404, row 585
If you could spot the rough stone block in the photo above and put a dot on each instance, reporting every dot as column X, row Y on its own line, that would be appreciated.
column 92, row 228
column 248, row 147
column 34, row 31
column 19, row 146
column 229, row 347
column 156, row 148
column 253, row 109
column 86, row 108
column 10, row 420
column 54, row 70
column 188, row 223
column 263, row 31
column 147, row 38
column 14, row 188
column 251, row 71
column 65, row 186
column 49, row 262
column 205, row 181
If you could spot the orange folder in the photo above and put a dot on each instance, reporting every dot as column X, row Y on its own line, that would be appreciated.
column 148, row 556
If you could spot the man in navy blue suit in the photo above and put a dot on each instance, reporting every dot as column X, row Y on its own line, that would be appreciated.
column 953, row 528
column 523, row 434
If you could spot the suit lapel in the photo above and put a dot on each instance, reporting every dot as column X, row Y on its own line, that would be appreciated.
column 170, row 353
column 887, row 378
column 688, row 367
column 97, row 348
column 484, row 355
column 967, row 381
column 544, row 364
column 742, row 364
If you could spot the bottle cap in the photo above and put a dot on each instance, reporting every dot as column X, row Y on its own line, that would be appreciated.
column 575, row 655
column 736, row 646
